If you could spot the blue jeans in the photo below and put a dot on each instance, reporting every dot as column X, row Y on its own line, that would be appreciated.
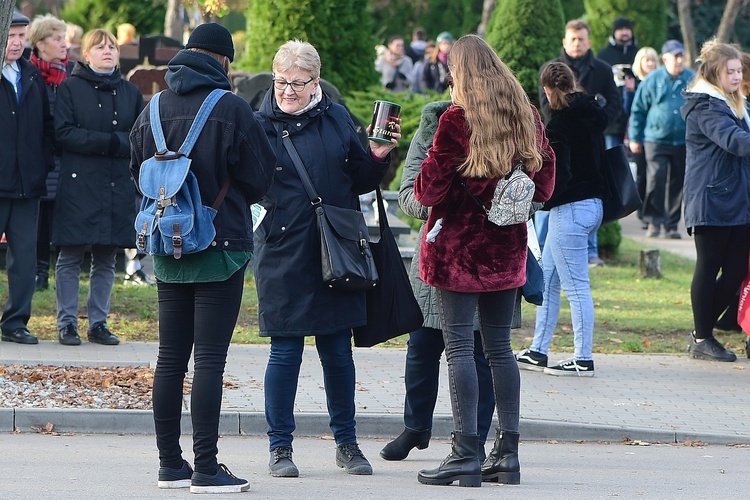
column 495, row 317
column 565, row 265
column 282, row 374
column 423, row 353
column 197, row 318
column 541, row 223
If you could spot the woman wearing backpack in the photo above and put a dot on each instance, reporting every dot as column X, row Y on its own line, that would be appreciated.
column 95, row 205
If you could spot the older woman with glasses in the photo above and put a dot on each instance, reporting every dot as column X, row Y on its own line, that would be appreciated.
column 293, row 301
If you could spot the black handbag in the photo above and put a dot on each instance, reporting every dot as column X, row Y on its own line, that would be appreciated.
column 621, row 198
column 346, row 257
column 392, row 309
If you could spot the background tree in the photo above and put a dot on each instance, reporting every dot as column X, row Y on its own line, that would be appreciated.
column 339, row 29
column 572, row 9
column 525, row 37
column 146, row 15
column 685, row 15
column 401, row 17
column 695, row 21
column 6, row 14
column 649, row 20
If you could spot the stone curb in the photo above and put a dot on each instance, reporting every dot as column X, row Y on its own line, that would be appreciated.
column 71, row 420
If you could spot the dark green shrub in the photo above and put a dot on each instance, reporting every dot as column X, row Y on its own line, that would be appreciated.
column 526, row 36
column 146, row 15
column 340, row 30
column 609, row 238
column 572, row 9
column 649, row 20
column 401, row 17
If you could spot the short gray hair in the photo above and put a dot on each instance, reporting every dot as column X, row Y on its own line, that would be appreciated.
column 296, row 54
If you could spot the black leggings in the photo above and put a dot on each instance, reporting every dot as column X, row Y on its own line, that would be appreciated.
column 197, row 317
column 718, row 248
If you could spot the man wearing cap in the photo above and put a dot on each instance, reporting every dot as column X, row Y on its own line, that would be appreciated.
column 26, row 156
column 200, row 294
column 619, row 53
column 658, row 129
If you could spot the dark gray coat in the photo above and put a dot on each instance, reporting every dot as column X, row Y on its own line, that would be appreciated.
column 95, row 202
column 292, row 299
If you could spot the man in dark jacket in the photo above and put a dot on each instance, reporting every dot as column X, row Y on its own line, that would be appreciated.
column 620, row 53
column 26, row 156
column 595, row 76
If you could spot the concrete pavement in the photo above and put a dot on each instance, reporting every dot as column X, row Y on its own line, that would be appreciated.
column 640, row 397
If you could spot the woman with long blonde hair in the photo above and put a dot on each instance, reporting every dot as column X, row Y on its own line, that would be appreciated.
column 716, row 191
column 472, row 262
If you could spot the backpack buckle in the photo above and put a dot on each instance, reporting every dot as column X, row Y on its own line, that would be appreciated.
column 177, row 240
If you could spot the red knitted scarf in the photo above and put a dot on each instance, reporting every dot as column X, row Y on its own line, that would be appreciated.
column 54, row 72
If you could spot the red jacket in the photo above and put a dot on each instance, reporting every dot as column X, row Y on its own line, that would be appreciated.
column 470, row 254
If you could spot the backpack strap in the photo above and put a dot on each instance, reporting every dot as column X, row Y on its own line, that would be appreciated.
column 155, row 119
column 200, row 120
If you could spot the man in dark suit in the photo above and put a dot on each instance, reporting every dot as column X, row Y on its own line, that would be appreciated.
column 26, row 156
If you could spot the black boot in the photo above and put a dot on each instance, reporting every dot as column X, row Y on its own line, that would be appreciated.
column 747, row 347
column 502, row 463
column 399, row 448
column 461, row 465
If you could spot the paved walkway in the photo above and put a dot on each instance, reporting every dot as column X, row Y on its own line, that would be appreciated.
column 640, row 397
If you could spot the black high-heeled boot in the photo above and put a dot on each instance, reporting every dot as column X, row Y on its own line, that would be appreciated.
column 461, row 465
column 399, row 448
column 747, row 347
column 502, row 463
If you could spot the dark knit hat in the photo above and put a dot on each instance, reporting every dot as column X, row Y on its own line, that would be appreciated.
column 212, row 37
column 622, row 23
column 19, row 19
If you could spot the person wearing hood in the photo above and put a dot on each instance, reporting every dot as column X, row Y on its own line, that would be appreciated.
column 716, row 191
column 94, row 111
column 293, row 301
column 200, row 293
column 575, row 130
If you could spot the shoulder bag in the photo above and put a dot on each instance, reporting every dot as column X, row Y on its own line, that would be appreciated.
column 392, row 309
column 621, row 198
column 346, row 257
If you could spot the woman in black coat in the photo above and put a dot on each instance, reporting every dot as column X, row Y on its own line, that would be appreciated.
column 95, row 205
column 293, row 301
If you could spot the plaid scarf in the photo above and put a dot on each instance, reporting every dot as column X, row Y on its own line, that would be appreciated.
column 54, row 72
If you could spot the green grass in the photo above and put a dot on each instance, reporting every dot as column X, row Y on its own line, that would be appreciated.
column 633, row 314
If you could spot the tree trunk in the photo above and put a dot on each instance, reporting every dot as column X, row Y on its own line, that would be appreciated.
column 173, row 21
column 6, row 14
column 487, row 9
column 684, row 12
column 726, row 27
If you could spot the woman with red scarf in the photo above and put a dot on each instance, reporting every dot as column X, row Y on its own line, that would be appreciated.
column 49, row 53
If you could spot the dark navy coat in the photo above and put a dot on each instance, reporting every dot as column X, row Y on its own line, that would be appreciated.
column 292, row 299
column 26, row 136
column 717, row 171
column 95, row 202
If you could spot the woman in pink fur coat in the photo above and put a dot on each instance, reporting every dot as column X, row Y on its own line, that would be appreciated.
column 490, row 126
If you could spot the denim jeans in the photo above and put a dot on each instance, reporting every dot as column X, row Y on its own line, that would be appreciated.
column 196, row 318
column 424, row 349
column 282, row 374
column 68, row 278
column 495, row 317
column 565, row 265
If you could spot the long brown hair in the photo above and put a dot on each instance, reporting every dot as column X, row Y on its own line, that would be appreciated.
column 561, row 82
column 713, row 58
column 502, row 123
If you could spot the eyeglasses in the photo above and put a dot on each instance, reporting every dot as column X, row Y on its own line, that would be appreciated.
column 296, row 86
column 449, row 79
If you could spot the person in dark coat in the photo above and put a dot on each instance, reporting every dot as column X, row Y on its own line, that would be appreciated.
column 575, row 131
column 595, row 78
column 472, row 262
column 49, row 53
column 435, row 69
column 620, row 53
column 293, row 301
column 716, row 191
column 94, row 112
column 26, row 155
column 200, row 293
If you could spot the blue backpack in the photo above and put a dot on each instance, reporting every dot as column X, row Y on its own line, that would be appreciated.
column 172, row 220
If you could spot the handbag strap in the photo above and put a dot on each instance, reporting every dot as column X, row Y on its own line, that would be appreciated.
column 382, row 214
column 297, row 161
